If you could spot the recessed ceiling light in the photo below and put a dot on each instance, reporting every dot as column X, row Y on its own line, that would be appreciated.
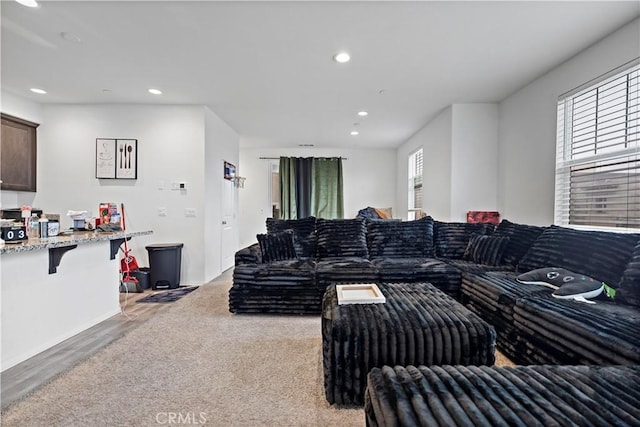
column 36, row 90
column 28, row 3
column 155, row 91
column 355, row 133
column 363, row 113
column 70, row 37
column 341, row 57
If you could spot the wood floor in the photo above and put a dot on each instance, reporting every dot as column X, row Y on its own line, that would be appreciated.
column 20, row 380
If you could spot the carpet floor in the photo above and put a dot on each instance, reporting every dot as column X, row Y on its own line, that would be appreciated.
column 195, row 363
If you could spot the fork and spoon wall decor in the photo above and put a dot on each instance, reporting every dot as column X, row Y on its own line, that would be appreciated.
column 116, row 158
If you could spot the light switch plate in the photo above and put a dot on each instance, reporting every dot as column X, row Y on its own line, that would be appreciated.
column 190, row 212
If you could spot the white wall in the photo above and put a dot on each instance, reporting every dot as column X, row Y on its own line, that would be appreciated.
column 435, row 140
column 221, row 144
column 527, row 130
column 460, row 152
column 171, row 147
column 40, row 309
column 369, row 180
column 474, row 157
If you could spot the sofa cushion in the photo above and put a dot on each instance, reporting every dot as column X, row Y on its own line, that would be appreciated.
column 277, row 246
column 486, row 250
column 341, row 238
column 277, row 287
column 413, row 270
column 304, row 237
column 629, row 288
column 561, row 331
column 451, row 238
column 521, row 237
column 598, row 254
column 400, row 238
column 345, row 270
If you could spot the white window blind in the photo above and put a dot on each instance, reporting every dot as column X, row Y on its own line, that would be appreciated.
column 598, row 153
column 415, row 183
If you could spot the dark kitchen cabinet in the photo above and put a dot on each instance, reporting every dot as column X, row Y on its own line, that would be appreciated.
column 18, row 154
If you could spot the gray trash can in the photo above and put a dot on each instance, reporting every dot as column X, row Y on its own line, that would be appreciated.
column 164, row 265
column 142, row 274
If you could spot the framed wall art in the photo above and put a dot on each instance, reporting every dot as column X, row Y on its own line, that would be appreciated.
column 105, row 158
column 116, row 158
column 229, row 171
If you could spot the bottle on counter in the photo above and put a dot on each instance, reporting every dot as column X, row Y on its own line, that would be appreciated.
column 34, row 227
column 44, row 227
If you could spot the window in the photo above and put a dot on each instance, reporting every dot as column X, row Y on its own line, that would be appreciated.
column 415, row 185
column 274, row 189
column 598, row 153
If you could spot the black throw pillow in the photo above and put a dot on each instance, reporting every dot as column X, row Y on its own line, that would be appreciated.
column 487, row 250
column 277, row 246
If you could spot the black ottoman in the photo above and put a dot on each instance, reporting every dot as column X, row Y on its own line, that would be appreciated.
column 418, row 325
column 516, row 396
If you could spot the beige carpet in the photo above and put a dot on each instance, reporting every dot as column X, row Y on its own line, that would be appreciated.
column 195, row 363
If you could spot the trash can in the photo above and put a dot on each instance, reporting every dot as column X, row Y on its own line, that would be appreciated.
column 142, row 274
column 164, row 265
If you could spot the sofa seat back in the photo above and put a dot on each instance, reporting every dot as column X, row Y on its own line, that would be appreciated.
column 400, row 239
column 341, row 238
column 521, row 237
column 598, row 254
column 304, row 233
column 452, row 238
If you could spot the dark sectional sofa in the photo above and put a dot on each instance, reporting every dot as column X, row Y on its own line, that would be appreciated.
column 298, row 259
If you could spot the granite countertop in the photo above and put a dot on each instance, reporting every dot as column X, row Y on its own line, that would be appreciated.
column 62, row 240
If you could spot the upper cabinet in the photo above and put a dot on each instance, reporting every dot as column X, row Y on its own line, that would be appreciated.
column 18, row 154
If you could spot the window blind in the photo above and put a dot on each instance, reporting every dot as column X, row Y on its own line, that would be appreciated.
column 598, row 153
column 415, row 181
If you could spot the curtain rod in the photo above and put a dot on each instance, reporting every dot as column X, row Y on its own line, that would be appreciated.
column 278, row 158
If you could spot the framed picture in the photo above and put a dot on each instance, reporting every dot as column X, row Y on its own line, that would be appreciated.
column 126, row 158
column 116, row 158
column 105, row 158
column 229, row 171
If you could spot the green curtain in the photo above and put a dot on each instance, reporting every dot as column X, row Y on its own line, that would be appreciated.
column 288, row 188
column 326, row 188
column 317, row 192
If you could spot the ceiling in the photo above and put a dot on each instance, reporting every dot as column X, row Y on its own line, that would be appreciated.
column 266, row 67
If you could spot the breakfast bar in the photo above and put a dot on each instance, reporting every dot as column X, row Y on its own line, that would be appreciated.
column 54, row 288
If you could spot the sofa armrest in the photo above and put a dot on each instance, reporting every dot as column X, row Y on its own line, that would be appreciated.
column 249, row 255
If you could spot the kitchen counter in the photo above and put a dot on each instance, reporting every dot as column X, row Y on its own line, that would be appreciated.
column 65, row 240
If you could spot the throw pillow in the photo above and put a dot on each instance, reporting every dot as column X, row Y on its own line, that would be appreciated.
column 277, row 246
column 566, row 284
column 304, row 237
column 487, row 250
